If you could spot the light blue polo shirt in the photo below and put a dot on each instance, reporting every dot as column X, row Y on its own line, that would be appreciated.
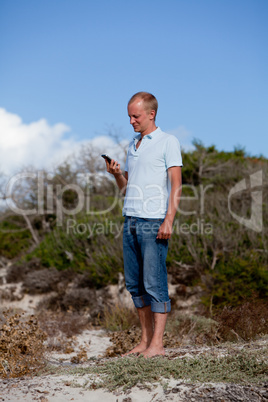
column 148, row 185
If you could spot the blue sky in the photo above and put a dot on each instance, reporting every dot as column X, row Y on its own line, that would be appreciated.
column 77, row 62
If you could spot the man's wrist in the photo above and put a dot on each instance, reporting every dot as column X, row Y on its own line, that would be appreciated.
column 169, row 219
column 118, row 175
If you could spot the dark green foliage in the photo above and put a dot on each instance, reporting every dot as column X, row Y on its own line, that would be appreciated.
column 236, row 280
column 14, row 239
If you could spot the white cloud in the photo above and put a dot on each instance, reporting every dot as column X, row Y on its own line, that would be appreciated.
column 39, row 144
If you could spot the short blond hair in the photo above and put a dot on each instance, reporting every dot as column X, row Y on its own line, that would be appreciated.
column 149, row 100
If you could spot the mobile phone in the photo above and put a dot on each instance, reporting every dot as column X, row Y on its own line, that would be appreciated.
column 107, row 158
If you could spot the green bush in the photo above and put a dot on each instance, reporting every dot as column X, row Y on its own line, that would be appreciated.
column 235, row 280
column 98, row 254
column 14, row 240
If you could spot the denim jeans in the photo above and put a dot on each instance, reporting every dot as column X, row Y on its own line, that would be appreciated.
column 145, row 264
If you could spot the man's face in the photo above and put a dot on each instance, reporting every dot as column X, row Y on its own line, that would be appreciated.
column 141, row 120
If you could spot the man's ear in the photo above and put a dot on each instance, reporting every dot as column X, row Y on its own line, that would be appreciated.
column 152, row 114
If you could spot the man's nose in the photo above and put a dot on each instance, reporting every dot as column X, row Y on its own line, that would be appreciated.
column 132, row 120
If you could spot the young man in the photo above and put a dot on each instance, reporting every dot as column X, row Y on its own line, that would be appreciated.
column 153, row 186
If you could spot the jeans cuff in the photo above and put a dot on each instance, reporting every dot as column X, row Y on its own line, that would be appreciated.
column 161, row 307
column 141, row 301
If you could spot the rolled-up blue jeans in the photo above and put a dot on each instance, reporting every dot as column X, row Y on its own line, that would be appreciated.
column 145, row 264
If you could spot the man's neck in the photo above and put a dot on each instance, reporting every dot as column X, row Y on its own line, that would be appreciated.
column 148, row 131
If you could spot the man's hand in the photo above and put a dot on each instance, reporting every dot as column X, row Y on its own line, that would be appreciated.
column 113, row 168
column 165, row 230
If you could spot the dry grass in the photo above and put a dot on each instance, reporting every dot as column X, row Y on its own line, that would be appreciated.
column 21, row 345
column 118, row 318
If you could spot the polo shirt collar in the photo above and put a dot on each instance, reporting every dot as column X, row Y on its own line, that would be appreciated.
column 151, row 135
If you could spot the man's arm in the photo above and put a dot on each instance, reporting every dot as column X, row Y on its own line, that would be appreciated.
column 114, row 169
column 174, row 174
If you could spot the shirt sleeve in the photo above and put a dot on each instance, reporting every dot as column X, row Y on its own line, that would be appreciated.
column 126, row 164
column 173, row 152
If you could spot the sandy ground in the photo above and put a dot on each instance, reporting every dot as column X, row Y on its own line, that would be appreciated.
column 58, row 390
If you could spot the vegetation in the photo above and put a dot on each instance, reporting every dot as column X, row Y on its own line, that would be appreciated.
column 209, row 246
column 235, row 368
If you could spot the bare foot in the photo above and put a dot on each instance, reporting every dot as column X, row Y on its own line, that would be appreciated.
column 152, row 351
column 140, row 348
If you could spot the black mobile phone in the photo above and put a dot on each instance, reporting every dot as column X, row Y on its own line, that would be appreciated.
column 107, row 158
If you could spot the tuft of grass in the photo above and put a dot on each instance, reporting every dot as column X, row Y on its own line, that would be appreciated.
column 118, row 318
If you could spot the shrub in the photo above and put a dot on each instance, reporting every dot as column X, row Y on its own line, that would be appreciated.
column 17, row 272
column 69, row 323
column 42, row 281
column 236, row 280
column 243, row 322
